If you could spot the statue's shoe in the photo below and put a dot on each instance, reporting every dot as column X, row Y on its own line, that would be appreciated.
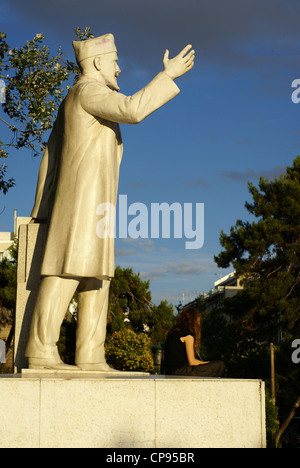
column 50, row 363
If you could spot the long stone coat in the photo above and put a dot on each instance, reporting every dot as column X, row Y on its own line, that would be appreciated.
column 80, row 170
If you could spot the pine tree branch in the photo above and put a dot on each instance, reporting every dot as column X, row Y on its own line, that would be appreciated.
column 275, row 271
column 10, row 126
column 287, row 421
column 293, row 287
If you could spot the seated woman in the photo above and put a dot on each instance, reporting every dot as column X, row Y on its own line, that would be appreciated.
column 182, row 347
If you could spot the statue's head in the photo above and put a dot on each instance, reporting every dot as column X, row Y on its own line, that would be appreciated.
column 99, row 55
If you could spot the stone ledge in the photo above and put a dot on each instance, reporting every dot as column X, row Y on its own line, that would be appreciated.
column 144, row 411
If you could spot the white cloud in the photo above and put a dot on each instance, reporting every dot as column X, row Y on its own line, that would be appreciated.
column 124, row 252
column 250, row 174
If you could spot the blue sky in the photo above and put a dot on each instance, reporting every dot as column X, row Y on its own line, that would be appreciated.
column 233, row 121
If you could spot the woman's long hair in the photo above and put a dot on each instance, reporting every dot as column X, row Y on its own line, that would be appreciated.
column 188, row 319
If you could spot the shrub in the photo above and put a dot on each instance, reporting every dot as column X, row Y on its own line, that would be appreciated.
column 129, row 351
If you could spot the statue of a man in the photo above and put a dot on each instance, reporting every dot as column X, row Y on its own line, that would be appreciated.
column 79, row 171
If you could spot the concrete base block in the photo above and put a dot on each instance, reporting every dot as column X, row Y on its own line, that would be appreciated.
column 105, row 411
column 32, row 238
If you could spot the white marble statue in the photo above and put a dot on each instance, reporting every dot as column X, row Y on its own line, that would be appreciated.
column 79, row 171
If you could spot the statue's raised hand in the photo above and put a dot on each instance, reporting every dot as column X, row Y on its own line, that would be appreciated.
column 180, row 64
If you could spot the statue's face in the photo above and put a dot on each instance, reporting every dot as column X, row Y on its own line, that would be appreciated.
column 110, row 70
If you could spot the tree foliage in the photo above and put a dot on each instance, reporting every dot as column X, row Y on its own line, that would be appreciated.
column 129, row 301
column 130, row 306
column 129, row 351
column 161, row 321
column 266, row 253
column 8, row 278
column 36, row 83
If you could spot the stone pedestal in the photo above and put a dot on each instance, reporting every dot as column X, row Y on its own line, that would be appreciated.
column 95, row 410
column 32, row 238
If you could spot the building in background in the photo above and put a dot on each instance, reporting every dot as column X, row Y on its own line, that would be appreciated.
column 7, row 238
column 228, row 286
column 225, row 287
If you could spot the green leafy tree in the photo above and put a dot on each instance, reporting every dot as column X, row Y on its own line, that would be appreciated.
column 8, row 278
column 129, row 301
column 130, row 306
column 266, row 254
column 36, row 83
column 161, row 321
column 8, row 282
